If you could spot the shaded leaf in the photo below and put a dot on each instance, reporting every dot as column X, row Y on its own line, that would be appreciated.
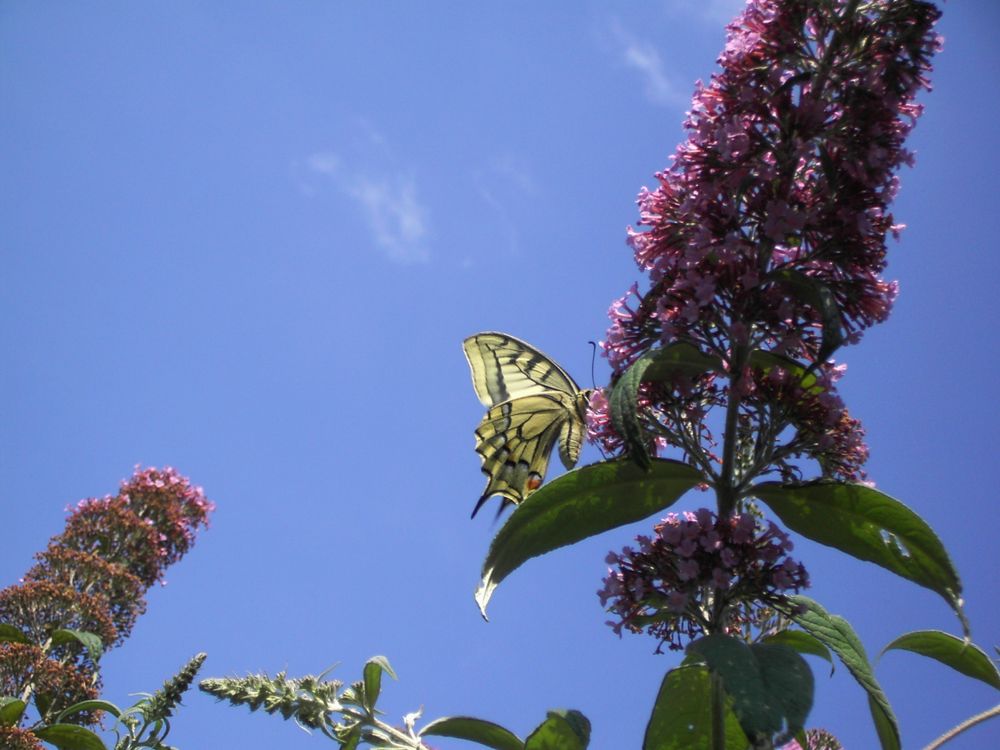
column 802, row 642
column 663, row 363
column 93, row 705
column 562, row 730
column 768, row 361
column 961, row 655
column 869, row 525
column 578, row 505
column 788, row 682
column 486, row 733
column 10, row 710
column 770, row 685
column 835, row 632
column 373, row 678
column 819, row 297
column 8, row 633
column 90, row 641
column 682, row 715
column 69, row 737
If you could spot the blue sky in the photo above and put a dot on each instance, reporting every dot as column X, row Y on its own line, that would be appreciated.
column 247, row 240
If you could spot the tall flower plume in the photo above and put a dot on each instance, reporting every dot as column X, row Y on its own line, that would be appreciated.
column 766, row 233
column 91, row 580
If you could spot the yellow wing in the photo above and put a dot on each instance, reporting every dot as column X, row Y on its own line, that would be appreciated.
column 532, row 404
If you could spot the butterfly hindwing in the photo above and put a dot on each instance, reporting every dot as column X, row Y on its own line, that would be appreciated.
column 532, row 404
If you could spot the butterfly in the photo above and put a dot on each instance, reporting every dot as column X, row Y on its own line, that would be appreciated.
column 532, row 403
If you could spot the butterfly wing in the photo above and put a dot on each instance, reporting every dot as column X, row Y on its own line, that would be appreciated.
column 533, row 403
column 505, row 368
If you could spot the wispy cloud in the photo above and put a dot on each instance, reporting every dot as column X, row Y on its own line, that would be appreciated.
column 389, row 200
column 643, row 57
column 395, row 215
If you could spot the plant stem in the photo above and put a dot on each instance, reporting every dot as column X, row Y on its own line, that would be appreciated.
column 718, row 713
column 967, row 724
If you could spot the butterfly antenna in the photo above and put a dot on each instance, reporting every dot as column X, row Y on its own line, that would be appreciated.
column 593, row 359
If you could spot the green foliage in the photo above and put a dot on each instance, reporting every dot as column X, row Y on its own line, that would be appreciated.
column 662, row 364
column 869, row 525
column 801, row 642
column 69, row 737
column 578, row 505
column 11, row 634
column 821, row 299
column 90, row 641
column 682, row 715
column 11, row 710
column 484, row 732
column 561, row 730
column 961, row 655
column 836, row 633
column 312, row 702
column 771, row 686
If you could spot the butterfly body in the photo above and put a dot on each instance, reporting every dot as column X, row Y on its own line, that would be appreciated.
column 532, row 403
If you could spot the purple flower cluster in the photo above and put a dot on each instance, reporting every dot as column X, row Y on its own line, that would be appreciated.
column 767, row 230
column 699, row 574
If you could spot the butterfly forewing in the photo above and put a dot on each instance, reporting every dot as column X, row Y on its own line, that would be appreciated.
column 506, row 368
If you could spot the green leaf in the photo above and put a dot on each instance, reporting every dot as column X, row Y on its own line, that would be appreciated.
column 819, row 297
column 580, row 504
column 373, row 678
column 69, row 737
column 352, row 742
column 663, row 363
column 771, row 686
column 93, row 705
column 768, row 361
column 562, row 730
column 961, row 655
column 11, row 634
column 868, row 525
column 90, row 641
column 835, row 632
column 802, row 642
column 682, row 714
column 11, row 710
column 486, row 733
column 788, row 682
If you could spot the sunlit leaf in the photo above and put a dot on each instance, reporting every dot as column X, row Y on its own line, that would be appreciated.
column 486, row 733
column 92, row 705
column 69, row 737
column 11, row 709
column 961, row 655
column 835, row 632
column 869, row 525
column 562, row 730
column 373, row 678
column 682, row 715
column 578, row 505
